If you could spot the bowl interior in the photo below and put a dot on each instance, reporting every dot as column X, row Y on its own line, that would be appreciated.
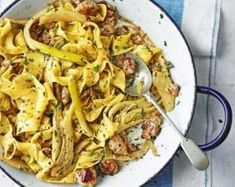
column 147, row 15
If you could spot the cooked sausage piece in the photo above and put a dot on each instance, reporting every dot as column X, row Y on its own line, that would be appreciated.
column 136, row 38
column 151, row 127
column 109, row 167
column 18, row 68
column 131, row 147
column 107, row 30
column 107, row 26
column 12, row 111
column 35, row 31
column 45, row 37
column 88, row 7
column 173, row 89
column 65, row 97
column 121, row 30
column 128, row 65
column 86, row 177
column 11, row 114
column 39, row 33
column 89, row 92
column 118, row 145
column 47, row 151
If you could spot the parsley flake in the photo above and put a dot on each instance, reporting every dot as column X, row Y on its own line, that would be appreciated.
column 97, row 68
column 169, row 65
column 91, row 153
column 26, row 61
column 65, row 41
column 131, row 82
column 142, row 112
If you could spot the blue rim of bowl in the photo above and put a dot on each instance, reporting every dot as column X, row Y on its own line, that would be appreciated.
column 194, row 99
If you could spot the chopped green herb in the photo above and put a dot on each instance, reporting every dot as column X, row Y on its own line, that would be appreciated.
column 57, row 105
column 91, row 153
column 125, row 47
column 169, row 65
column 178, row 103
column 97, row 68
column 158, row 66
column 2, row 134
column 131, row 82
column 31, row 59
column 161, row 16
column 26, row 61
column 165, row 43
column 142, row 112
column 37, row 76
column 125, row 27
column 49, row 113
column 116, row 47
column 142, row 82
column 65, row 41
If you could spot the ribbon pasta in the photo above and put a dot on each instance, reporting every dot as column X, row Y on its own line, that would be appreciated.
column 62, row 93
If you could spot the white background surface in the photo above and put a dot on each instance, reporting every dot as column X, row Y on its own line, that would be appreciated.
column 222, row 163
column 222, row 170
column 225, row 82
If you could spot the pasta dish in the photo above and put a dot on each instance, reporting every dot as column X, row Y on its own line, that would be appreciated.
column 64, row 113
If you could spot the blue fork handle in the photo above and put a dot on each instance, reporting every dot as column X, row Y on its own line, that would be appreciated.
column 227, row 118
